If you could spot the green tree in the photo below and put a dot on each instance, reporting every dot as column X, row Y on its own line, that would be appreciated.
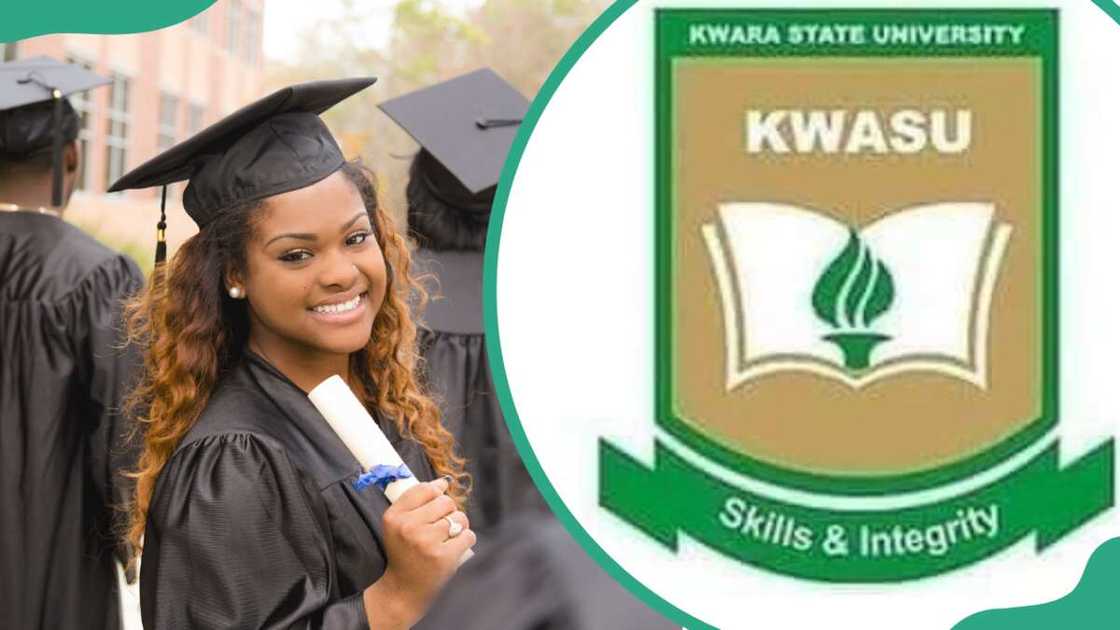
column 522, row 40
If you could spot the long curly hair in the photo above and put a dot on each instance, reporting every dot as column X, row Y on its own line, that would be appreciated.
column 193, row 333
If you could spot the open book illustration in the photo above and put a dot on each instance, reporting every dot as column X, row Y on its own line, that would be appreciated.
column 803, row 291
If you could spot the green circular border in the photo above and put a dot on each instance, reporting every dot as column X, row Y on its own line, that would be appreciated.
column 493, row 341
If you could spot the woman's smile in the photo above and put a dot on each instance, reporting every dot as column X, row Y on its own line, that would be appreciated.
column 341, row 312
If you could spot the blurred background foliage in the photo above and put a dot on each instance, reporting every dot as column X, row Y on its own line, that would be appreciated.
column 406, row 44
column 429, row 41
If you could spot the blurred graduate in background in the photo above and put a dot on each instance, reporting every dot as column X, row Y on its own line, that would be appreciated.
column 465, row 127
column 63, row 374
column 534, row 576
column 529, row 574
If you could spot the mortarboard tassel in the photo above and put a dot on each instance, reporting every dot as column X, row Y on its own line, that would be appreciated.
column 161, row 229
column 56, row 150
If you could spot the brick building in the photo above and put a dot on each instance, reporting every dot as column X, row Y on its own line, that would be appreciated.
column 167, row 85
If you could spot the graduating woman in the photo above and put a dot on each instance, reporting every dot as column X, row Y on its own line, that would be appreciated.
column 247, row 502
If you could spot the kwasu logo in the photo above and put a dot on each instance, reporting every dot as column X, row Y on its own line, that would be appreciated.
column 857, row 294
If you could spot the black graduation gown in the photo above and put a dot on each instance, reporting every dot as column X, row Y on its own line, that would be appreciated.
column 533, row 576
column 254, row 521
column 62, row 378
column 528, row 573
column 457, row 370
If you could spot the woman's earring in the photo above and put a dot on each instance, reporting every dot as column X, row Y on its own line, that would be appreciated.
column 236, row 293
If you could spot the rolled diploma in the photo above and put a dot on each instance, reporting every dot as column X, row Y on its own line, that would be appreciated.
column 357, row 430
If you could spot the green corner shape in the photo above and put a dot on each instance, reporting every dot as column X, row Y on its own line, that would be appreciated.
column 1091, row 605
column 28, row 19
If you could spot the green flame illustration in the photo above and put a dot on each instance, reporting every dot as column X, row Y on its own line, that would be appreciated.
column 855, row 289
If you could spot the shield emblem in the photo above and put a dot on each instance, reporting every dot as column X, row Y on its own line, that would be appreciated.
column 857, row 291
column 856, row 269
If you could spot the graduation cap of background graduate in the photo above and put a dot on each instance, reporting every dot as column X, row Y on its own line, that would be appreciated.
column 274, row 145
column 34, row 113
column 465, row 127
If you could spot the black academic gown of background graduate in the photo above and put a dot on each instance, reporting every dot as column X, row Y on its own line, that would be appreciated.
column 533, row 576
column 457, row 369
column 255, row 522
column 62, row 378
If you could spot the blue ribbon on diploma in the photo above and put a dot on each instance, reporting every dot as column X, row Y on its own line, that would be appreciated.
column 381, row 476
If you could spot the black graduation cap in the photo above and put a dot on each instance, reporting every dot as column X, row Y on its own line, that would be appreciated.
column 34, row 112
column 272, row 146
column 465, row 126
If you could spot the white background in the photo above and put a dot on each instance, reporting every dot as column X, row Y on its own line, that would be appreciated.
column 575, row 307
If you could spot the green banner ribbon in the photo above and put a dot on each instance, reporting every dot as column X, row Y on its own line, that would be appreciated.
column 675, row 497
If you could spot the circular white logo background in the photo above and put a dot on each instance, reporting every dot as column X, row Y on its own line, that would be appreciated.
column 573, row 297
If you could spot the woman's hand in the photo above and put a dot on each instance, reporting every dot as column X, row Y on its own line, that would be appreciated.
column 422, row 556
